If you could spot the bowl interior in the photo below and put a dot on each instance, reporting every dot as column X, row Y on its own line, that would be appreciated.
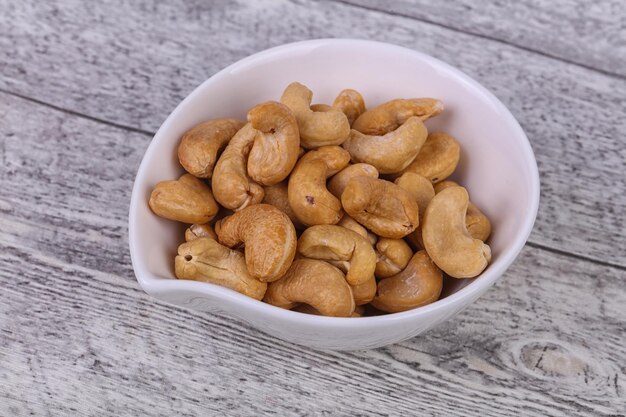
column 497, row 166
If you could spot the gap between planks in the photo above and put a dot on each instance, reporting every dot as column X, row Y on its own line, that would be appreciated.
column 479, row 35
column 148, row 133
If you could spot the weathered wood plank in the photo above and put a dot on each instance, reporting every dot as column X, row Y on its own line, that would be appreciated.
column 131, row 64
column 81, row 342
column 590, row 35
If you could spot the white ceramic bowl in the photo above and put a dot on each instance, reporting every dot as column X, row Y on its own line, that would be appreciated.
column 497, row 167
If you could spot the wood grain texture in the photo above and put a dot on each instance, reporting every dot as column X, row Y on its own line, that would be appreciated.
column 132, row 63
column 592, row 35
column 79, row 337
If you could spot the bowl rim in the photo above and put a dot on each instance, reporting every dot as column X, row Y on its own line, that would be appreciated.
column 154, row 285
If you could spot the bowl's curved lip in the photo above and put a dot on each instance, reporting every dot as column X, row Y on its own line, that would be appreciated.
column 154, row 285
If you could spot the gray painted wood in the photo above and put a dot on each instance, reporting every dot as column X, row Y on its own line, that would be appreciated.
column 78, row 336
column 132, row 63
column 592, row 35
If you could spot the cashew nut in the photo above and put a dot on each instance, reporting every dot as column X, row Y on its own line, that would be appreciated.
column 381, row 206
column 349, row 223
column 391, row 152
column 338, row 182
column 313, row 282
column 204, row 259
column 276, row 145
column 232, row 187
column 187, row 199
column 365, row 292
column 422, row 191
column 351, row 103
column 392, row 256
column 420, row 283
column 316, row 128
column 420, row 188
column 269, row 238
column 336, row 243
column 478, row 225
column 390, row 115
column 308, row 197
column 438, row 158
column 196, row 231
column 198, row 148
column 307, row 309
column 276, row 195
column 446, row 238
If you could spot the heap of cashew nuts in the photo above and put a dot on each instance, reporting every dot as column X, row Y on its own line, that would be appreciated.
column 325, row 208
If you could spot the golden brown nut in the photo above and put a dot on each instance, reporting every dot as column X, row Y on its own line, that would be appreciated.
column 316, row 128
column 196, row 231
column 420, row 283
column 392, row 256
column 276, row 144
column 199, row 147
column 277, row 196
column 381, row 206
column 269, row 238
column 232, row 187
column 420, row 188
column 336, row 243
column 438, row 158
column 351, row 103
column 312, row 282
column 308, row 197
column 477, row 223
column 391, row 152
column 365, row 292
column 187, row 200
column 307, row 309
column 349, row 223
column 205, row 260
column 338, row 182
column 446, row 238
column 422, row 191
column 390, row 115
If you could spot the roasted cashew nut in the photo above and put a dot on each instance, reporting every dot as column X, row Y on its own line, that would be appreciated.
column 420, row 283
column 438, row 158
column 390, row 115
column 307, row 309
column 336, row 243
column 421, row 189
column 199, row 147
column 478, row 225
column 351, row 103
column 277, row 196
column 313, row 282
column 392, row 256
column 391, row 152
column 276, row 144
column 232, row 187
column 316, row 128
column 381, row 206
column 196, row 231
column 338, row 182
column 349, row 223
column 308, row 197
column 203, row 259
column 446, row 238
column 187, row 199
column 269, row 238
column 365, row 292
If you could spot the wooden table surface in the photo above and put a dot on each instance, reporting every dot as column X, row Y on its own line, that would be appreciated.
column 84, row 86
